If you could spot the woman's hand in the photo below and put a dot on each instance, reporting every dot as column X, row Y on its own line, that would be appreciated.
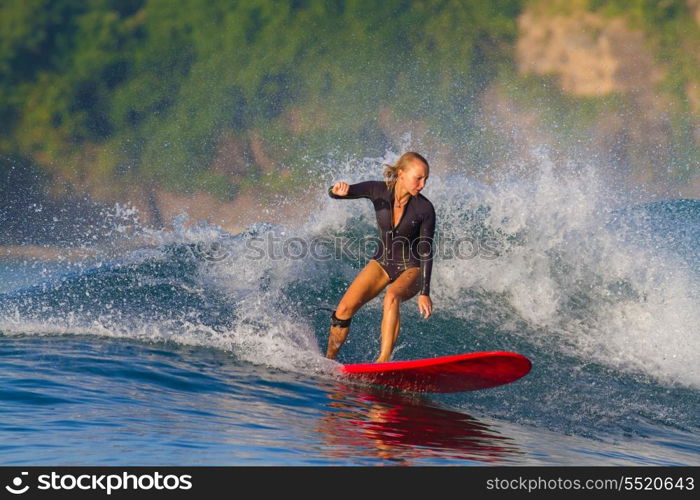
column 425, row 306
column 340, row 188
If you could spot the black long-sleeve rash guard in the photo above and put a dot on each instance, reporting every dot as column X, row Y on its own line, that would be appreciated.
column 411, row 241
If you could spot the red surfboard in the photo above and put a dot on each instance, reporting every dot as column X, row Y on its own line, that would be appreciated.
column 458, row 373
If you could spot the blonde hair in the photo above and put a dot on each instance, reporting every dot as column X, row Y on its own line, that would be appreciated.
column 391, row 172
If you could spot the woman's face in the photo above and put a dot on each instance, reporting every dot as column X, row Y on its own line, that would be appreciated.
column 414, row 177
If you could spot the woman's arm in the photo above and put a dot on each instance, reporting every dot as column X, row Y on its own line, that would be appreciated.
column 342, row 190
column 426, row 254
column 425, row 250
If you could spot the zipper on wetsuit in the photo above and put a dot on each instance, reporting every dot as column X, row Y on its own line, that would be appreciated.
column 393, row 227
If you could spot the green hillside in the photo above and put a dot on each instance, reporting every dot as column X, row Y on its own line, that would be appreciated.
column 105, row 96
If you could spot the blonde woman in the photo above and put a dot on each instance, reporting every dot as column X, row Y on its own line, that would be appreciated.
column 404, row 259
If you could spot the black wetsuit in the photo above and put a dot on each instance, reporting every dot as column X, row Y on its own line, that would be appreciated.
column 410, row 243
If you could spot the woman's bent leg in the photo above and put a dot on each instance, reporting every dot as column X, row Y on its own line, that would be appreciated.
column 405, row 287
column 367, row 285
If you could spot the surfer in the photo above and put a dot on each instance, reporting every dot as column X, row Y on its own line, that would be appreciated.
column 403, row 261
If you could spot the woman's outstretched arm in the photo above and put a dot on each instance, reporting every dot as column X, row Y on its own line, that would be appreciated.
column 342, row 190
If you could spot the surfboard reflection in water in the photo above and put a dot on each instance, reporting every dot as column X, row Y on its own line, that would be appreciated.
column 402, row 428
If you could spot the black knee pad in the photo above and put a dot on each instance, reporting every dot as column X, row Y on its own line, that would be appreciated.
column 336, row 321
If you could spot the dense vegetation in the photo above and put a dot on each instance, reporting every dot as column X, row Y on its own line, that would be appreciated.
column 105, row 95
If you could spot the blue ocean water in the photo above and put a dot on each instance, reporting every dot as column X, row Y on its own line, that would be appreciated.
column 193, row 346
